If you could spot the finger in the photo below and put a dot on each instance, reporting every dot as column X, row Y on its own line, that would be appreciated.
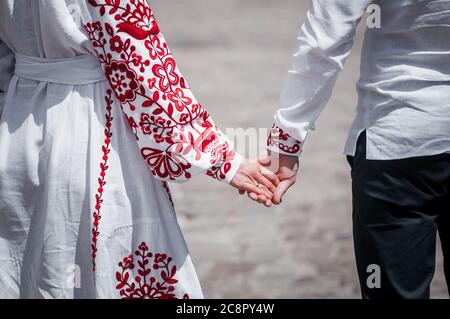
column 287, row 175
column 261, row 179
column 253, row 196
column 264, row 159
column 270, row 175
column 251, row 188
column 268, row 203
column 262, row 199
column 265, row 192
column 281, row 190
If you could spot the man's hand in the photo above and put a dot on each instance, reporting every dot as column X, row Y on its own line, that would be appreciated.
column 287, row 173
column 285, row 168
column 251, row 178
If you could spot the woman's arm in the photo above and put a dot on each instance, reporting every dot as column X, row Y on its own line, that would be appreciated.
column 324, row 43
column 176, row 135
column 6, row 72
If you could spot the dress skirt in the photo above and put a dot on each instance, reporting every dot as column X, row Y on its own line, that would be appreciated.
column 81, row 216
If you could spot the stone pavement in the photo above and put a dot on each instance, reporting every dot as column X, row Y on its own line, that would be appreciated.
column 235, row 55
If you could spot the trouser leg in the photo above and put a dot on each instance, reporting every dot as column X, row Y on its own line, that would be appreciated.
column 444, row 235
column 395, row 207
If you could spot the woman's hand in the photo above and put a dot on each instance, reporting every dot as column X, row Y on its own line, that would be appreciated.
column 253, row 178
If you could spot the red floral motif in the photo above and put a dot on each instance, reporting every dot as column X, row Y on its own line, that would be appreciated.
column 123, row 80
column 167, row 74
column 155, row 278
column 116, row 44
column 139, row 22
column 102, row 178
column 161, row 48
column 156, row 125
column 179, row 99
column 133, row 126
column 221, row 153
column 283, row 141
column 169, row 124
column 166, row 164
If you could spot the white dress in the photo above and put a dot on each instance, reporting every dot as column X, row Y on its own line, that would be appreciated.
column 95, row 118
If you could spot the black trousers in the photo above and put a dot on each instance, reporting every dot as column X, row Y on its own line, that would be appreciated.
column 398, row 208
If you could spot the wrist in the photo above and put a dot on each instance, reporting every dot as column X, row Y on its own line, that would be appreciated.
column 227, row 168
column 234, row 165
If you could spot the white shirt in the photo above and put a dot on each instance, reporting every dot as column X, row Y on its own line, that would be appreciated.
column 403, row 91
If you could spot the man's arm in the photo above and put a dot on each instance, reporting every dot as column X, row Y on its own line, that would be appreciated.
column 6, row 72
column 324, row 43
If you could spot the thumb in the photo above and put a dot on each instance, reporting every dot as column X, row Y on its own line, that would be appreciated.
column 264, row 159
column 281, row 189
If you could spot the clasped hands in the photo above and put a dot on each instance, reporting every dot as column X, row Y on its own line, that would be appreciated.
column 267, row 179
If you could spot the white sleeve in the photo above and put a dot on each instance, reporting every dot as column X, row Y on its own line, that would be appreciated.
column 6, row 71
column 324, row 43
column 176, row 135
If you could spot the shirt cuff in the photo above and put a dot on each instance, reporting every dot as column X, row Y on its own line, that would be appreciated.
column 282, row 143
column 227, row 168
column 235, row 163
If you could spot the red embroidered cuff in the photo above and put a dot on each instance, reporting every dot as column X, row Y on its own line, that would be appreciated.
column 282, row 143
column 226, row 169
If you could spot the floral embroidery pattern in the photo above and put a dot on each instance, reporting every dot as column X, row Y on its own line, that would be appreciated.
column 155, row 279
column 283, row 141
column 177, row 137
column 123, row 80
column 102, row 178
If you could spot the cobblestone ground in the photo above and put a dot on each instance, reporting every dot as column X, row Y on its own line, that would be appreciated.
column 235, row 55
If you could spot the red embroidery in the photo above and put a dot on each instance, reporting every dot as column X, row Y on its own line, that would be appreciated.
column 165, row 117
column 124, row 80
column 101, row 180
column 166, row 164
column 167, row 74
column 145, row 285
column 283, row 141
column 220, row 171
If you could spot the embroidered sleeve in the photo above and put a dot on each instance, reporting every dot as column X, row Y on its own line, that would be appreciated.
column 281, row 142
column 176, row 135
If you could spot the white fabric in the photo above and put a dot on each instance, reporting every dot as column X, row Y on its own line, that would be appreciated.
column 404, row 91
column 79, row 70
column 52, row 146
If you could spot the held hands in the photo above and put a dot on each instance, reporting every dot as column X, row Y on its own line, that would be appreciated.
column 281, row 170
column 257, row 181
column 285, row 167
